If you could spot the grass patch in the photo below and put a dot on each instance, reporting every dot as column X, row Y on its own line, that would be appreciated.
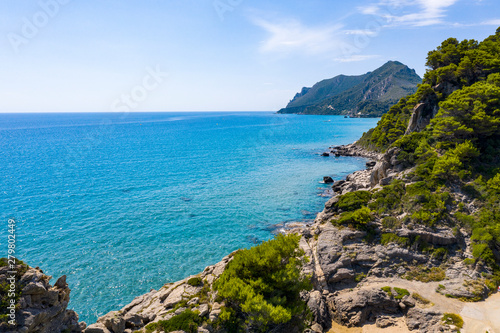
column 421, row 299
column 353, row 200
column 453, row 319
column 388, row 290
column 425, row 274
column 186, row 321
column 401, row 292
column 391, row 222
column 359, row 277
column 195, row 281
column 357, row 219
column 393, row 238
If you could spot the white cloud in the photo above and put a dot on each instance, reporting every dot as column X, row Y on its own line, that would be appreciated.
column 363, row 32
column 369, row 10
column 292, row 36
column 492, row 22
column 357, row 57
column 411, row 13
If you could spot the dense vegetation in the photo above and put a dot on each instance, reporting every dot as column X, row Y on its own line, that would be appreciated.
column 261, row 286
column 455, row 178
column 461, row 69
column 370, row 94
column 186, row 321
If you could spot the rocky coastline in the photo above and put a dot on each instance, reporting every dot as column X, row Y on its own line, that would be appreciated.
column 355, row 283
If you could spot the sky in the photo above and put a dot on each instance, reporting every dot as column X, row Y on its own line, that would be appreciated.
column 211, row 55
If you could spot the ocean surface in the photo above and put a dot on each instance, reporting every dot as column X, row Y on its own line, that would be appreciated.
column 122, row 203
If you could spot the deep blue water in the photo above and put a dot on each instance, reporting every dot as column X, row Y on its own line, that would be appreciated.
column 122, row 203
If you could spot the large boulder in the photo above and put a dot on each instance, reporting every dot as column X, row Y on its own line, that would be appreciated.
column 355, row 308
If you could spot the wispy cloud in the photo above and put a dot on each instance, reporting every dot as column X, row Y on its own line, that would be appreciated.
column 362, row 32
column 495, row 22
column 291, row 35
column 410, row 13
column 357, row 57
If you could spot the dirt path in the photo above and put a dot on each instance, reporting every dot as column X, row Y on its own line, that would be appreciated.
column 479, row 317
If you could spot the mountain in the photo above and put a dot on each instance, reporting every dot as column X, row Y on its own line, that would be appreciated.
column 370, row 94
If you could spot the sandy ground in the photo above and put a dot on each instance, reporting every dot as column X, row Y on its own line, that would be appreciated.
column 372, row 328
column 479, row 317
column 482, row 316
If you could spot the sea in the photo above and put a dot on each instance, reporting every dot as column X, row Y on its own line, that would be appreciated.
column 122, row 203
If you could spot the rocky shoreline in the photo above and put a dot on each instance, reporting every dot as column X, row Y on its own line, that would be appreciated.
column 347, row 272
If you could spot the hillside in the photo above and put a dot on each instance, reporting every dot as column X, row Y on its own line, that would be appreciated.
column 370, row 94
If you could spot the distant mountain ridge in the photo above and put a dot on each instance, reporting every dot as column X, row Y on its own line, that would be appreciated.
column 370, row 94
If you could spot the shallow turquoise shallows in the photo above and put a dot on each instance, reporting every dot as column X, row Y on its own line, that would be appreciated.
column 122, row 203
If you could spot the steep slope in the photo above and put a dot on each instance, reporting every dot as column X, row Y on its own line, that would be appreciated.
column 370, row 94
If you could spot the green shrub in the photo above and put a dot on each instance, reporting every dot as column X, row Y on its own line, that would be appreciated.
column 391, row 222
column 393, row 238
column 359, row 277
column 187, row 321
column 195, row 281
column 425, row 274
column 353, row 200
column 464, row 220
column 440, row 253
column 401, row 293
column 389, row 197
column 453, row 319
column 426, row 207
column 356, row 219
column 262, row 285
column 469, row 261
column 420, row 298
column 388, row 290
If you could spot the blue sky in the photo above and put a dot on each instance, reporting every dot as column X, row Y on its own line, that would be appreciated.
column 211, row 55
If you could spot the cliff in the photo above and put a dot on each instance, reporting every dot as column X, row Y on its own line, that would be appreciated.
column 39, row 306
column 370, row 94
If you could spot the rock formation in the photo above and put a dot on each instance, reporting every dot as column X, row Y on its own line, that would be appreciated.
column 42, row 308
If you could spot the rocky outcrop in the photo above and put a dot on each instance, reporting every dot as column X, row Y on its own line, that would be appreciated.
column 355, row 308
column 435, row 236
column 387, row 168
column 41, row 307
column 163, row 304
column 354, row 150
column 425, row 320
column 465, row 289
column 423, row 113
column 327, row 180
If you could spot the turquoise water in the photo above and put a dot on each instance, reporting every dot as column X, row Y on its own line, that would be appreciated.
column 122, row 203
